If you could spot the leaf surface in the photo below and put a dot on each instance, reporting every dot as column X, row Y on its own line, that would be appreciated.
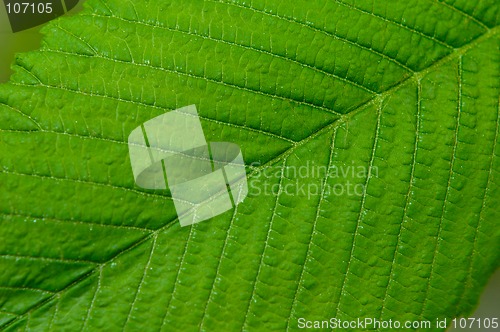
column 403, row 97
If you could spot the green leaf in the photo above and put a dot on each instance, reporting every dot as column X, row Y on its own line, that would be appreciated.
column 406, row 93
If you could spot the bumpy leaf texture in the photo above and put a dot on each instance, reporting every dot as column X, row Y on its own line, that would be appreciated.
column 404, row 92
